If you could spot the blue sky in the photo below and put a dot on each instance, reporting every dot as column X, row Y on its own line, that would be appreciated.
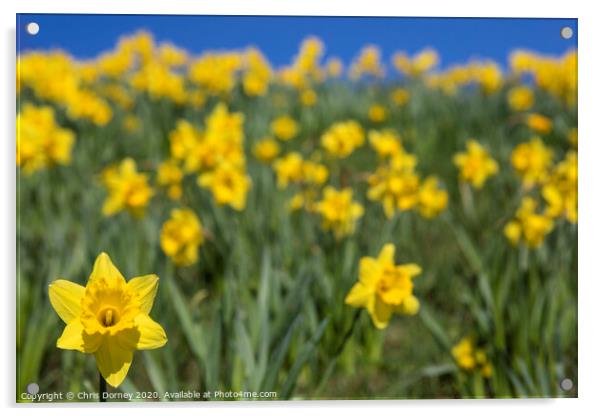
column 456, row 39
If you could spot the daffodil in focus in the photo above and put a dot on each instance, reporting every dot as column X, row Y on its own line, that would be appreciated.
column 520, row 98
column 342, row 138
column 266, row 150
column 228, row 184
column 532, row 162
column 128, row 189
column 109, row 317
column 469, row 358
column 41, row 142
column 528, row 226
column 169, row 175
column 539, row 123
column 339, row 211
column 284, row 128
column 181, row 236
column 475, row 164
column 384, row 288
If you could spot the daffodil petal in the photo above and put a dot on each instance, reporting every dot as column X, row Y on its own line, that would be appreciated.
column 410, row 270
column 72, row 337
column 359, row 295
column 369, row 271
column 105, row 269
column 387, row 254
column 152, row 334
column 113, row 361
column 65, row 298
column 380, row 313
column 145, row 288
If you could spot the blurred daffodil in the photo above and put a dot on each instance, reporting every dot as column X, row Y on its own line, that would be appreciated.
column 475, row 164
column 181, row 236
column 385, row 288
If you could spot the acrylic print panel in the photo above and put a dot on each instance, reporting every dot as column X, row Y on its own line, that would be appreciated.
column 275, row 208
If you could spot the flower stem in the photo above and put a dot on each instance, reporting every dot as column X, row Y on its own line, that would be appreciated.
column 102, row 388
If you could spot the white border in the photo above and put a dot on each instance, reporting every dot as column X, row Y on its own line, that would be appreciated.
column 590, row 286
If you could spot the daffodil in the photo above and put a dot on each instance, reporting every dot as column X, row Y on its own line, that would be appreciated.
column 560, row 191
column 469, row 357
column 532, row 162
column 284, row 128
column 475, row 164
column 266, row 150
column 377, row 113
column 528, row 226
column 109, row 317
column 342, row 138
column 385, row 288
column 539, row 123
column 289, row 169
column 386, row 143
column 400, row 96
column 520, row 98
column 128, row 189
column 339, row 212
column 228, row 184
column 431, row 199
column 181, row 236
column 169, row 175
column 395, row 185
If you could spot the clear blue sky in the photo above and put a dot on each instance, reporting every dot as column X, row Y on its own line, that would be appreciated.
column 456, row 39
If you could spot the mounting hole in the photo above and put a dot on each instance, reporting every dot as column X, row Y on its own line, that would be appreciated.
column 32, row 28
column 566, row 384
column 566, row 32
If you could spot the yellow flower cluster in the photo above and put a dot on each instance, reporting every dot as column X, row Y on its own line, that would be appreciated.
column 397, row 185
column 532, row 161
column 181, row 236
column 215, row 154
column 475, row 164
column 170, row 175
column 385, row 288
column 342, row 138
column 560, row 190
column 528, row 226
column 257, row 73
column 486, row 74
column 367, row 63
column 41, row 142
column 128, row 189
column 417, row 65
column 309, row 174
column 284, row 128
column 470, row 358
column 339, row 212
column 557, row 76
column 216, row 72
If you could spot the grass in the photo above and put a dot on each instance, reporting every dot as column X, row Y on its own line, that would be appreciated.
column 263, row 309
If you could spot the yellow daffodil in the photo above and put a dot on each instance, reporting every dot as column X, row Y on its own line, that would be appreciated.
column 560, row 191
column 41, row 142
column 228, row 184
column 266, row 150
column 169, row 175
column 431, row 200
column 387, row 143
column 339, row 212
column 284, row 128
column 528, row 226
column 289, row 169
column 520, row 98
column 109, row 317
column 532, row 162
column 127, row 188
column 308, row 97
column 396, row 187
column 384, row 288
column 342, row 138
column 469, row 358
column 475, row 164
column 400, row 96
column 538, row 123
column 417, row 65
column 377, row 113
column 368, row 62
column 181, row 237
